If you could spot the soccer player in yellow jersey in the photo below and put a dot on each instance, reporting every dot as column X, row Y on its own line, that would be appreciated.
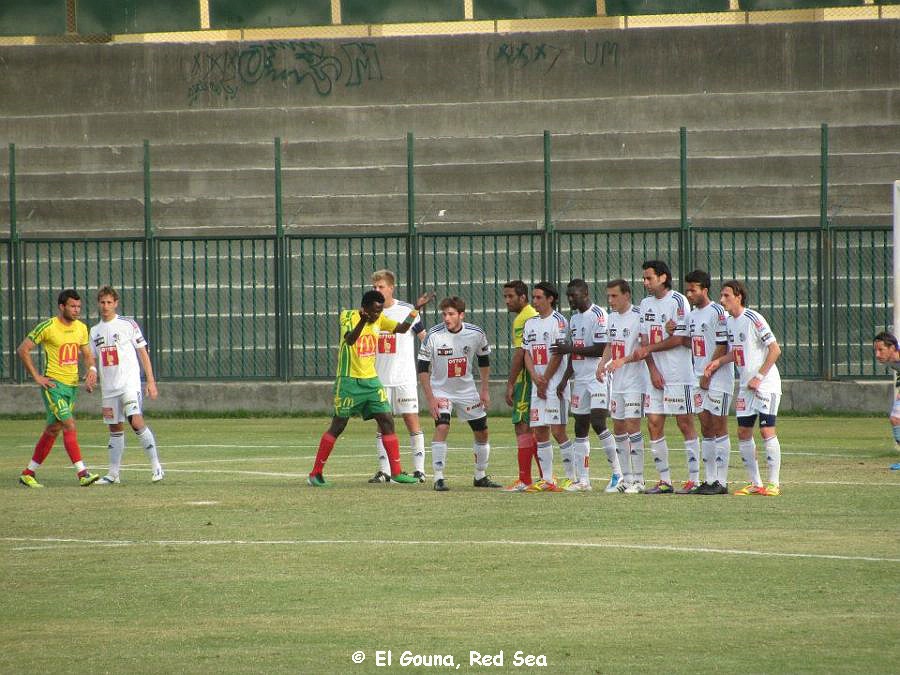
column 357, row 389
column 518, row 384
column 63, row 338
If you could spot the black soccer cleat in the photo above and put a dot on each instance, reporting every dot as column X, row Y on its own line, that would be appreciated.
column 485, row 482
column 440, row 485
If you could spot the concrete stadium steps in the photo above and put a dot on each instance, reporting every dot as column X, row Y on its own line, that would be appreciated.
column 626, row 113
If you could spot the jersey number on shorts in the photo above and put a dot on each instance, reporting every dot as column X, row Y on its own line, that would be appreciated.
column 539, row 355
column 109, row 356
column 387, row 343
column 457, row 367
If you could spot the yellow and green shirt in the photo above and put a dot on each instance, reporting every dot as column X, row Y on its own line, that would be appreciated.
column 62, row 345
column 358, row 360
column 518, row 328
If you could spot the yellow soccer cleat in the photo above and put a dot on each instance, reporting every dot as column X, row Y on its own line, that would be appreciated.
column 750, row 489
column 29, row 481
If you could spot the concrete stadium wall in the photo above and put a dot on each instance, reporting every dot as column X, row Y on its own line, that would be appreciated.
column 800, row 396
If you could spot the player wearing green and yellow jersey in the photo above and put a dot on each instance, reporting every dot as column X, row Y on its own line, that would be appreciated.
column 518, row 384
column 63, row 338
column 357, row 389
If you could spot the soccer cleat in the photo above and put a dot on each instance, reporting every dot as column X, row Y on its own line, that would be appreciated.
column 688, row 487
column 485, row 482
column 565, row 483
column 661, row 488
column 440, row 485
column 543, row 486
column 403, row 477
column 380, row 477
column 158, row 475
column 419, row 476
column 518, row 486
column 771, row 490
column 29, row 481
column 895, row 467
column 635, row 488
column 317, row 480
column 88, row 479
column 715, row 488
column 613, row 484
column 580, row 486
column 750, row 489
column 108, row 480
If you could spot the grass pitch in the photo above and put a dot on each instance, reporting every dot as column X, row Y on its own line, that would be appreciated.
column 233, row 564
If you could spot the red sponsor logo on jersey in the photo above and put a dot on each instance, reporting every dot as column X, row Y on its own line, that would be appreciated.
column 109, row 356
column 577, row 343
column 365, row 346
column 539, row 355
column 698, row 345
column 618, row 349
column 457, row 367
column 656, row 333
column 758, row 323
column 68, row 354
column 739, row 355
column 387, row 343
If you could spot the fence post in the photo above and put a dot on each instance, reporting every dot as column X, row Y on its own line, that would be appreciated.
column 282, row 289
column 412, row 238
column 827, row 258
column 550, row 253
column 151, row 266
column 685, row 239
column 16, row 328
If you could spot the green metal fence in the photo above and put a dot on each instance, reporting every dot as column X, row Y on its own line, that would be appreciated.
column 265, row 307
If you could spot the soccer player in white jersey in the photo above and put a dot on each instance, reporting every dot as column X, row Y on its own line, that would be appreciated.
column 121, row 351
column 549, row 410
column 590, row 397
column 753, row 349
column 395, row 364
column 452, row 350
column 709, row 340
column 886, row 352
column 629, row 382
column 672, row 379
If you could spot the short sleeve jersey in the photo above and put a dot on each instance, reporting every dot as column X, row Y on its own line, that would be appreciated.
column 587, row 329
column 395, row 361
column 453, row 357
column 709, row 328
column 358, row 360
column 537, row 338
column 749, row 337
column 115, row 344
column 61, row 344
column 896, row 367
column 518, row 327
column 673, row 364
column 624, row 337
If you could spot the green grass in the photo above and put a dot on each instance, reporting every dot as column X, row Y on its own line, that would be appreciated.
column 274, row 576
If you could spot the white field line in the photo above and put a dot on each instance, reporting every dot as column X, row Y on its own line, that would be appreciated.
column 55, row 542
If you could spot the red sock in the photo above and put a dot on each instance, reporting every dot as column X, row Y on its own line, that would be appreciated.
column 326, row 445
column 41, row 450
column 392, row 448
column 527, row 450
column 70, row 440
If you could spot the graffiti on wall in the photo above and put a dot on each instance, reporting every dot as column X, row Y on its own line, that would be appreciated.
column 224, row 73
column 543, row 56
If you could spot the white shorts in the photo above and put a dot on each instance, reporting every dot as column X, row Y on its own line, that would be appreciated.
column 404, row 399
column 627, row 406
column 467, row 408
column 711, row 400
column 119, row 408
column 750, row 402
column 587, row 396
column 551, row 410
column 673, row 399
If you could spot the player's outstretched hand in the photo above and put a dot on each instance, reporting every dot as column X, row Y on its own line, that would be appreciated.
column 424, row 299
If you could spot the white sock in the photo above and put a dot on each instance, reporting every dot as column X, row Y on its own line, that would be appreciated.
column 582, row 458
column 545, row 459
column 438, row 458
column 567, row 451
column 660, row 450
column 417, row 446
column 384, row 466
column 708, row 450
column 622, row 450
column 748, row 455
column 116, row 450
column 145, row 436
column 609, row 447
column 773, row 459
column 482, row 453
column 692, row 450
column 723, row 454
column 637, row 456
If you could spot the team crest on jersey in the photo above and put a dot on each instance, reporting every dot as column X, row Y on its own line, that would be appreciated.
column 625, row 332
column 546, row 336
column 466, row 349
column 742, row 337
